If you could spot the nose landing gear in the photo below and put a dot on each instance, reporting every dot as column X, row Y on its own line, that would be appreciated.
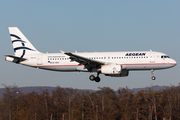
column 93, row 78
column 153, row 77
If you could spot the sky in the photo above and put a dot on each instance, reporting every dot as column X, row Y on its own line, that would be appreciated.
column 91, row 26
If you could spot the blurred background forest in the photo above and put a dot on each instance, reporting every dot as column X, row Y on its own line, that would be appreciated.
column 104, row 104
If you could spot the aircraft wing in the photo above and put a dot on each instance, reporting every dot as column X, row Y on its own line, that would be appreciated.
column 84, row 61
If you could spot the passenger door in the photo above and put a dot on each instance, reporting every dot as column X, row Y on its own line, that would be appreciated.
column 39, row 60
column 152, row 57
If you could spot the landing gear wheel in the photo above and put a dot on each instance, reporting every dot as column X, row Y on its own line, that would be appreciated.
column 153, row 77
column 97, row 79
column 92, row 77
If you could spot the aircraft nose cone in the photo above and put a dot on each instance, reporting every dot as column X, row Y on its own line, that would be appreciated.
column 174, row 63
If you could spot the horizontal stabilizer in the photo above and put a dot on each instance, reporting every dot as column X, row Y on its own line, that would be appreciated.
column 14, row 59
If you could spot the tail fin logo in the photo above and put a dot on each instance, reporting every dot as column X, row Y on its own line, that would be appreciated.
column 23, row 45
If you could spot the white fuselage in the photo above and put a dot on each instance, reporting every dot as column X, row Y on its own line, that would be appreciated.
column 114, row 64
column 140, row 60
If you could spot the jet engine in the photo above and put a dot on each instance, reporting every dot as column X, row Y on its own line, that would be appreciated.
column 124, row 73
column 111, row 69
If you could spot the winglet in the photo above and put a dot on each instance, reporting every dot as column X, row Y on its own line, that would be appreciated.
column 62, row 51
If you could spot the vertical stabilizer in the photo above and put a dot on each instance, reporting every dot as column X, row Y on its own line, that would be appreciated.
column 20, row 43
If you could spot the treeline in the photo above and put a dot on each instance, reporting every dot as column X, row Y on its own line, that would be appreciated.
column 104, row 104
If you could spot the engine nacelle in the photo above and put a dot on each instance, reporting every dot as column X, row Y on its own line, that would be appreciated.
column 111, row 69
column 123, row 73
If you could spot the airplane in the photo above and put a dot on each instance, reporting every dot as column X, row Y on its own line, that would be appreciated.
column 113, row 64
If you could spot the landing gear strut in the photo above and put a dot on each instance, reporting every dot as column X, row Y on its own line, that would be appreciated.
column 153, row 77
column 93, row 78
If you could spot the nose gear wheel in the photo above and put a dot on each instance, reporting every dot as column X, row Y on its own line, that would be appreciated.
column 153, row 77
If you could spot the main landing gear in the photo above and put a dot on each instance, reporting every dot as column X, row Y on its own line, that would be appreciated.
column 93, row 78
column 153, row 77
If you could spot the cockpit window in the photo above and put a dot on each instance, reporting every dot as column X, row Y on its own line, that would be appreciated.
column 165, row 56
